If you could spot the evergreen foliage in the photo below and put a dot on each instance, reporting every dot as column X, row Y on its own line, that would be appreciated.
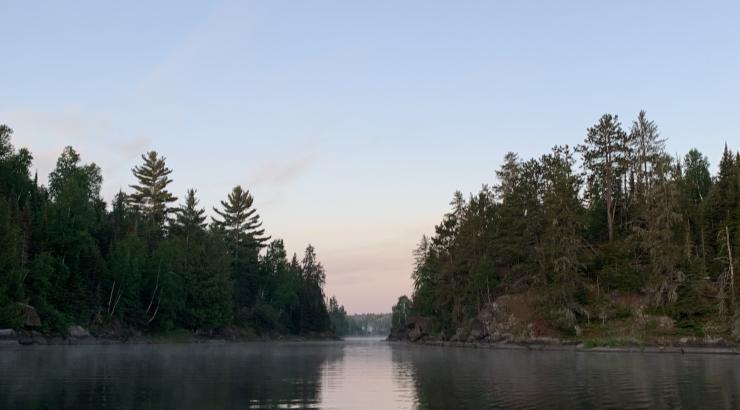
column 671, row 235
column 142, row 264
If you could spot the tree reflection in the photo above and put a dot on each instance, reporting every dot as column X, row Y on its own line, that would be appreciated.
column 175, row 376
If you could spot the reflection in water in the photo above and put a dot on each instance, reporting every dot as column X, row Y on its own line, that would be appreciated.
column 165, row 376
column 358, row 374
column 476, row 379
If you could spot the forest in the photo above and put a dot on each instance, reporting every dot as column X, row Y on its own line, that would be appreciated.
column 581, row 227
column 360, row 324
column 146, row 262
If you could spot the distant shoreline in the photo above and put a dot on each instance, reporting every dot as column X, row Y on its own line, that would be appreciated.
column 577, row 347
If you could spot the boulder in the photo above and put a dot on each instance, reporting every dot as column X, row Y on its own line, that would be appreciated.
column 736, row 326
column 418, row 328
column 478, row 331
column 29, row 316
column 460, row 335
column 7, row 334
column 38, row 338
column 78, row 332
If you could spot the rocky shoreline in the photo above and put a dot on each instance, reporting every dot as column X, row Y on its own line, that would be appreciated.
column 578, row 346
column 77, row 335
column 510, row 322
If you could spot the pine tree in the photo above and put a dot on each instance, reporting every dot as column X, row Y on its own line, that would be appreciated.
column 646, row 147
column 240, row 221
column 151, row 197
column 605, row 154
column 242, row 230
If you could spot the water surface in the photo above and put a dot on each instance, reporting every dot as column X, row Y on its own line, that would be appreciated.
column 358, row 373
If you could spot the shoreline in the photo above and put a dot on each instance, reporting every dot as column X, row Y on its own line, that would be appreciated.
column 576, row 347
column 35, row 338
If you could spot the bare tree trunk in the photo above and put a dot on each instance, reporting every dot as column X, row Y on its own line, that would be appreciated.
column 609, row 205
column 156, row 287
column 732, row 269
column 159, row 300
column 703, row 250
column 110, row 298
column 120, row 293
column 688, row 239
column 488, row 288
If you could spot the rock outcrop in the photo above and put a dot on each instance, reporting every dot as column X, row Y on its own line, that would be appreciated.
column 78, row 332
column 29, row 316
column 510, row 318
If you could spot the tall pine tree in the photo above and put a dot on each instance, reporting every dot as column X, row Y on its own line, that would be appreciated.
column 151, row 197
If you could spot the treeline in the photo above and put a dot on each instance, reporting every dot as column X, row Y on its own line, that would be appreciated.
column 617, row 214
column 362, row 324
column 143, row 262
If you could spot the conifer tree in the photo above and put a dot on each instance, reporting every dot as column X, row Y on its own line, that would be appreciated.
column 312, row 269
column 242, row 230
column 189, row 217
column 695, row 186
column 605, row 151
column 314, row 315
column 240, row 221
column 646, row 148
column 151, row 196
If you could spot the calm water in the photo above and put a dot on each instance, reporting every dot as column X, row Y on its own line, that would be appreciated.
column 358, row 374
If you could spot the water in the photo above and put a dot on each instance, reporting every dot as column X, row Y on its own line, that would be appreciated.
column 358, row 374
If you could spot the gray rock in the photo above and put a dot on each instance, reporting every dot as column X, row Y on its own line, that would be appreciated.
column 478, row 331
column 39, row 340
column 78, row 332
column 29, row 315
column 736, row 326
column 7, row 334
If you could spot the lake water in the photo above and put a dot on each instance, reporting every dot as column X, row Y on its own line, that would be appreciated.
column 359, row 373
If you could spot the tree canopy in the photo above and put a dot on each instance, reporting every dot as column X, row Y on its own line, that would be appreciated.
column 142, row 263
column 630, row 220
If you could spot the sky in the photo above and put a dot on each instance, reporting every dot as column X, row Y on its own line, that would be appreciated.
column 353, row 122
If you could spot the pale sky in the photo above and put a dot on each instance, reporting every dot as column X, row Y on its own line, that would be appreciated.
column 353, row 122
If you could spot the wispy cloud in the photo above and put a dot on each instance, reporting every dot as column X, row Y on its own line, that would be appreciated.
column 94, row 133
column 280, row 172
column 135, row 146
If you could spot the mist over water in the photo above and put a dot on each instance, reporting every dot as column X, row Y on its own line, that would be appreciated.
column 358, row 373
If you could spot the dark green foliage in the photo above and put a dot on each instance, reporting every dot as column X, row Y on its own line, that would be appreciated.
column 313, row 311
column 671, row 235
column 241, row 228
column 401, row 312
column 150, row 196
column 606, row 152
column 142, row 264
column 338, row 317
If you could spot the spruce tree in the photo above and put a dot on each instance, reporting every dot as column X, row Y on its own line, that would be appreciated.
column 190, row 218
column 151, row 197
column 314, row 315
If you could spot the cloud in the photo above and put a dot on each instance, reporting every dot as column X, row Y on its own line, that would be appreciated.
column 94, row 133
column 134, row 147
column 280, row 172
